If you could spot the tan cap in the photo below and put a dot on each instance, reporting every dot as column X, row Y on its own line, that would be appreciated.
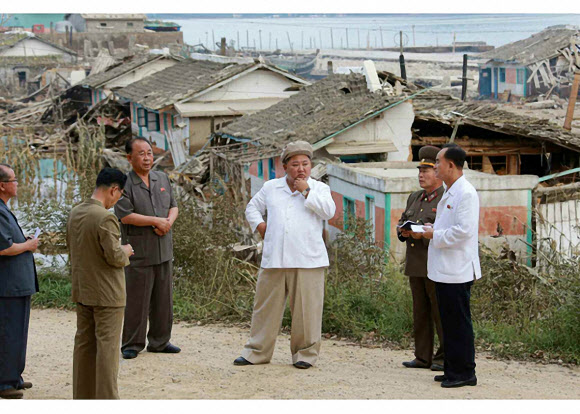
column 296, row 148
column 427, row 156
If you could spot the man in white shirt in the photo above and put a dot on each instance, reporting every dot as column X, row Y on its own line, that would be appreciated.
column 453, row 264
column 293, row 260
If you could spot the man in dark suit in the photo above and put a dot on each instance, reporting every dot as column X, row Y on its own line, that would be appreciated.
column 422, row 208
column 17, row 283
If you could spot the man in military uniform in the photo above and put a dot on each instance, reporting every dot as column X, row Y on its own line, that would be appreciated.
column 422, row 208
column 147, row 211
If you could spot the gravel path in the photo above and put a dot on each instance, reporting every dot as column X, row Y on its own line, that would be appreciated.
column 204, row 370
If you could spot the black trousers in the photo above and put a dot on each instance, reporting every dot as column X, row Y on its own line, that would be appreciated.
column 458, row 339
column 14, row 319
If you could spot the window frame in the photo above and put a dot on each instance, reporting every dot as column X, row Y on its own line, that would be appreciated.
column 142, row 117
column 502, row 75
column 154, row 121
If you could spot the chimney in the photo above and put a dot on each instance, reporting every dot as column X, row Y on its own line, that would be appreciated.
column 330, row 69
column 370, row 72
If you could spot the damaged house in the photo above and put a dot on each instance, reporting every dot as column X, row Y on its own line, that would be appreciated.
column 542, row 63
column 24, row 58
column 187, row 102
column 122, row 74
column 350, row 118
column 497, row 140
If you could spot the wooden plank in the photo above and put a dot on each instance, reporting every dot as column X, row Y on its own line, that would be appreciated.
column 357, row 147
column 545, row 77
column 176, row 148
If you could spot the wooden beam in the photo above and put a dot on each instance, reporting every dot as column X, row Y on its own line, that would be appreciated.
column 572, row 102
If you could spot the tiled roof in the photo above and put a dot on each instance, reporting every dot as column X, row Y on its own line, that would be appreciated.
column 317, row 111
column 179, row 81
column 538, row 47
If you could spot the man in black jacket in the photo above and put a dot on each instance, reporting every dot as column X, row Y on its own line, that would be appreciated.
column 17, row 283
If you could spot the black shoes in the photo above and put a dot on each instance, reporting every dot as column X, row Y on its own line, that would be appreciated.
column 436, row 367
column 129, row 354
column 459, row 383
column 11, row 394
column 242, row 361
column 416, row 364
column 439, row 378
column 169, row 349
column 25, row 385
column 302, row 365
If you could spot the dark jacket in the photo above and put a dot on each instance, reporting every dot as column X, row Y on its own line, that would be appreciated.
column 421, row 208
column 150, row 249
column 17, row 273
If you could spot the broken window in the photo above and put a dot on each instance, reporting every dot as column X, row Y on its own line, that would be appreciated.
column 129, row 24
column 22, row 79
column 103, row 24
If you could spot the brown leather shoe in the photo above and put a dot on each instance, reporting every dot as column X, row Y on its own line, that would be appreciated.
column 25, row 385
column 416, row 364
column 11, row 394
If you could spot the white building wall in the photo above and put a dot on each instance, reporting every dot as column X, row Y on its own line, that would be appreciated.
column 140, row 73
column 256, row 84
column 34, row 47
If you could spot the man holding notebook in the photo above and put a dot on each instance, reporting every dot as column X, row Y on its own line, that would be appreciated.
column 422, row 209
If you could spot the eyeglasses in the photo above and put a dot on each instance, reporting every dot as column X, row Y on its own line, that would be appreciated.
column 9, row 181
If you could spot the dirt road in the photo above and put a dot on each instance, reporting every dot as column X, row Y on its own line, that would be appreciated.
column 204, row 370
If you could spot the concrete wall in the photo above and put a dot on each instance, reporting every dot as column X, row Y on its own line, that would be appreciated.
column 153, row 40
column 505, row 204
column 114, row 25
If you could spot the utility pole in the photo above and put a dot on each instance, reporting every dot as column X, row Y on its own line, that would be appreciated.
column 213, row 39
column 413, row 27
column 401, row 57
column 331, row 39
column 260, row 36
column 276, row 43
column 239, row 45
column 464, row 79
column 223, row 46
column 572, row 101
column 382, row 42
column 368, row 39
column 247, row 38
column 270, row 41
column 453, row 42
column 320, row 38
column 358, row 32
column 302, row 39
column 347, row 38
column 290, row 43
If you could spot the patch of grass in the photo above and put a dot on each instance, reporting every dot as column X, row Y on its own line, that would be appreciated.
column 55, row 290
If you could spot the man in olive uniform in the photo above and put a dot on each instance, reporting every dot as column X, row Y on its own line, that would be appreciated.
column 98, row 288
column 147, row 211
column 422, row 208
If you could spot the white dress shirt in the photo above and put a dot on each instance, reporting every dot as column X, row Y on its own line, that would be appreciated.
column 453, row 253
column 294, row 227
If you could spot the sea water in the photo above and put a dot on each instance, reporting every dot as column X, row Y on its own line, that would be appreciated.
column 374, row 31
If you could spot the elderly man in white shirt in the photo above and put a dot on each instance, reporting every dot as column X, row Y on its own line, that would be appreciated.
column 293, row 260
column 453, row 264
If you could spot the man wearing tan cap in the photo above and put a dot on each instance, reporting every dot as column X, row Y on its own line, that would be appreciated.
column 293, row 260
column 422, row 208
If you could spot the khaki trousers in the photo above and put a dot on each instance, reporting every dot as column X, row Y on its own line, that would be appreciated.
column 96, row 352
column 305, row 287
column 425, row 315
